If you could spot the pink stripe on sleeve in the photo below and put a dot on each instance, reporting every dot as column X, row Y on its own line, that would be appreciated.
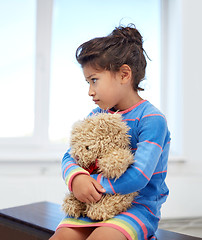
column 160, row 172
column 111, row 186
column 154, row 143
column 132, row 120
column 142, row 173
column 99, row 177
column 150, row 115
column 70, row 165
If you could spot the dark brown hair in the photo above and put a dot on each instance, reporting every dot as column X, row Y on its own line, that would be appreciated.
column 122, row 46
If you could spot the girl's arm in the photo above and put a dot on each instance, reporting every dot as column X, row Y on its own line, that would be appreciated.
column 70, row 169
column 84, row 187
column 153, row 137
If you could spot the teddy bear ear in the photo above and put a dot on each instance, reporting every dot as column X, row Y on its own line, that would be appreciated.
column 114, row 130
column 77, row 125
column 117, row 122
column 76, row 130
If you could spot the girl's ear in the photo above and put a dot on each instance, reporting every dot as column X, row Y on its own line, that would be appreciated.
column 125, row 73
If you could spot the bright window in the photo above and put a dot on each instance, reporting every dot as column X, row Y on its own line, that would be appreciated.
column 17, row 48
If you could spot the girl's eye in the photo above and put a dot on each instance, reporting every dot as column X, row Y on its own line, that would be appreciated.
column 94, row 80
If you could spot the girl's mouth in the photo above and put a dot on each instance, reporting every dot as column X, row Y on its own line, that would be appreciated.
column 95, row 101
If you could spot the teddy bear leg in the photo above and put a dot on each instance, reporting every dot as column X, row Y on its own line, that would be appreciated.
column 109, row 206
column 73, row 207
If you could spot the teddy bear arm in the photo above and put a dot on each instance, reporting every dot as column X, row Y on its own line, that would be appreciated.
column 115, row 163
column 109, row 206
column 73, row 207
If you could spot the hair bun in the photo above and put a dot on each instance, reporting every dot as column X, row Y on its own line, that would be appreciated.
column 129, row 34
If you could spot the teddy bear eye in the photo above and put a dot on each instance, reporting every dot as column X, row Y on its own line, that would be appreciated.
column 87, row 147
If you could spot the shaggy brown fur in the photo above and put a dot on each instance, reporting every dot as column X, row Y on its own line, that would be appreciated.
column 103, row 137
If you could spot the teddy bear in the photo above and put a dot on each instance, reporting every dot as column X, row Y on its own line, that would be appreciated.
column 100, row 144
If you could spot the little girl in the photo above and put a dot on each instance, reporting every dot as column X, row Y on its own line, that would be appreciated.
column 114, row 66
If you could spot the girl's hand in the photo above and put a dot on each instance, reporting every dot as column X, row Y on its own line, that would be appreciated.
column 87, row 189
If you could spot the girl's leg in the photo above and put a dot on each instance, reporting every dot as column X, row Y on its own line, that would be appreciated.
column 72, row 233
column 106, row 233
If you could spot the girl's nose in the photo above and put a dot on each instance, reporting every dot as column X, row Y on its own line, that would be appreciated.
column 91, row 91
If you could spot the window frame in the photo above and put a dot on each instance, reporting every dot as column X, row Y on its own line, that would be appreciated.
column 38, row 146
column 171, row 74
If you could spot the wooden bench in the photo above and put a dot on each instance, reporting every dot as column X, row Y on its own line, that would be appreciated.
column 39, row 220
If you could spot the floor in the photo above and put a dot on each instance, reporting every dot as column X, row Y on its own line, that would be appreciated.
column 191, row 226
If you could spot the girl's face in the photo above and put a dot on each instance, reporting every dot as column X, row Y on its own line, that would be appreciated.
column 104, row 87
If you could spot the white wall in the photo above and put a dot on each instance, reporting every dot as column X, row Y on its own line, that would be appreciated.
column 23, row 183
column 192, row 81
column 185, row 179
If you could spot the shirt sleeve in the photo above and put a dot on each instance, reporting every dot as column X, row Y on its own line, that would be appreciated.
column 70, row 169
column 151, row 132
